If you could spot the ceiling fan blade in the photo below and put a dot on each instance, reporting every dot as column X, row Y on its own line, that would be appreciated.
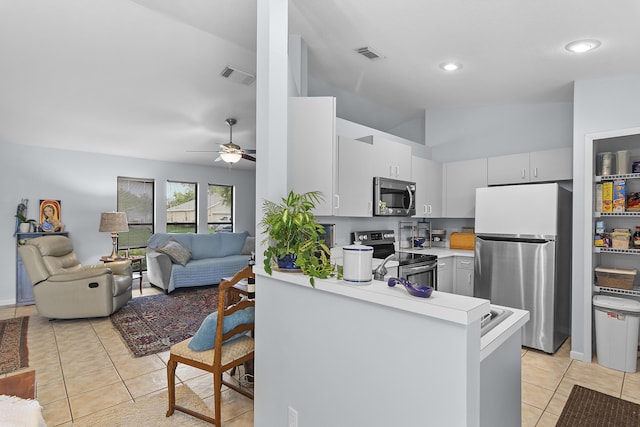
column 248, row 157
column 250, row 151
column 201, row 151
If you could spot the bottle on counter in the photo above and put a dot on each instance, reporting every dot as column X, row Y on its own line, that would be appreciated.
column 636, row 238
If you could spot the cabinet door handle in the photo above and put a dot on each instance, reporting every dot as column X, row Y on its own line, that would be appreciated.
column 429, row 209
column 523, row 172
column 397, row 171
column 465, row 262
column 337, row 205
column 469, row 278
column 535, row 172
column 369, row 207
column 391, row 171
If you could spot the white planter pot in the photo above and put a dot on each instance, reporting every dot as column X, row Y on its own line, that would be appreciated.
column 24, row 227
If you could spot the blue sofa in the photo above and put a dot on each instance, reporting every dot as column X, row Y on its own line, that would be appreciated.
column 178, row 260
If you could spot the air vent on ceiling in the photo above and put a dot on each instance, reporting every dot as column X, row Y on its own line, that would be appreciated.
column 238, row 76
column 367, row 52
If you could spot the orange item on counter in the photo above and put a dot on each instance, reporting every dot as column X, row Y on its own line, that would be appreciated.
column 464, row 241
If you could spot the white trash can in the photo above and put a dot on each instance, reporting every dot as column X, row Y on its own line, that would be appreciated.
column 617, row 321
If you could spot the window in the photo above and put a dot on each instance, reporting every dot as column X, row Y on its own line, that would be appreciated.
column 135, row 197
column 220, row 208
column 181, row 207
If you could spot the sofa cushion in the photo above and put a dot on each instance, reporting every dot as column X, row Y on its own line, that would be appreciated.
column 206, row 246
column 232, row 242
column 178, row 253
column 205, row 337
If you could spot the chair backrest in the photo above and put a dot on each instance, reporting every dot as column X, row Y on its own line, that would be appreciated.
column 223, row 311
column 48, row 255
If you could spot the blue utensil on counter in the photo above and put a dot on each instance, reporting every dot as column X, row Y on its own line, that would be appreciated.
column 414, row 289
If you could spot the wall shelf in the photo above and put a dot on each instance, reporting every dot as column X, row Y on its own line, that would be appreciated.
column 600, row 178
column 629, row 292
column 599, row 250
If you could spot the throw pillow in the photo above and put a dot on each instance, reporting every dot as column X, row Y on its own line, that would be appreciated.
column 249, row 245
column 178, row 253
column 205, row 337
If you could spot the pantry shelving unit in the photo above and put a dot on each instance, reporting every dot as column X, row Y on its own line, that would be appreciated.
column 616, row 257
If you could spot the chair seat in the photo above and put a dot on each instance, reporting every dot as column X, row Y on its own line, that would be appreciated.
column 230, row 350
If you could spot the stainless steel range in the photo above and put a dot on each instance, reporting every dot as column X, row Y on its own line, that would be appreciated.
column 416, row 267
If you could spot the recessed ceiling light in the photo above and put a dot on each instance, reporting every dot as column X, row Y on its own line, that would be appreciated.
column 582, row 46
column 450, row 66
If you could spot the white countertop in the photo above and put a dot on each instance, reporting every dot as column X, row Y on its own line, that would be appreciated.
column 442, row 305
column 439, row 252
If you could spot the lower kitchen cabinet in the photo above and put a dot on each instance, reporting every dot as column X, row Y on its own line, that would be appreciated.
column 445, row 275
column 464, row 276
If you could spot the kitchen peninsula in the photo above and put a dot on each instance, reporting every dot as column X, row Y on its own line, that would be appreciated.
column 345, row 355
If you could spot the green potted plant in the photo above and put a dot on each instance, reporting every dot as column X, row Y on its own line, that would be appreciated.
column 23, row 220
column 293, row 236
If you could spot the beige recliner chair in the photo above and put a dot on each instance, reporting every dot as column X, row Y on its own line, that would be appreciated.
column 64, row 289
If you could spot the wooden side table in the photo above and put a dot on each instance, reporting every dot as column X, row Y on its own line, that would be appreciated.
column 135, row 259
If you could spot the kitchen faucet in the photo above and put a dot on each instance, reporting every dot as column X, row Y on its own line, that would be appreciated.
column 381, row 271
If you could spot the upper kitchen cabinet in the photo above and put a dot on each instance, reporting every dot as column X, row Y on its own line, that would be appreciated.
column 391, row 159
column 427, row 175
column 537, row 166
column 460, row 182
column 355, row 179
column 312, row 149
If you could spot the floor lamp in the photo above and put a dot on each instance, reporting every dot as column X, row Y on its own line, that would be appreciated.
column 114, row 223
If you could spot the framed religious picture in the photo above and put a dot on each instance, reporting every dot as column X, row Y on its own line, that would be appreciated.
column 50, row 216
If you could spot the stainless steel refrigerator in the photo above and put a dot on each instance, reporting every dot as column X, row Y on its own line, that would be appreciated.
column 523, row 257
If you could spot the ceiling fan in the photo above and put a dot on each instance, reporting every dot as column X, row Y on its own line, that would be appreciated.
column 230, row 152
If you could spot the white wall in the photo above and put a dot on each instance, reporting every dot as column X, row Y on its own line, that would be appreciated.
column 472, row 133
column 85, row 183
column 599, row 106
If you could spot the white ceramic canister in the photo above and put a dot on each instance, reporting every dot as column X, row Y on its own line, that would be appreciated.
column 356, row 264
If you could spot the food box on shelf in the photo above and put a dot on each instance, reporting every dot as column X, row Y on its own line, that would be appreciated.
column 633, row 202
column 619, row 195
column 620, row 278
column 598, row 239
column 598, row 197
column 607, row 196
column 620, row 238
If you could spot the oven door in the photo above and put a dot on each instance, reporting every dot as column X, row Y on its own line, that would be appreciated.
column 424, row 273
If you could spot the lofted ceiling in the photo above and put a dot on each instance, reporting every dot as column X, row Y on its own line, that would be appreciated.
column 141, row 78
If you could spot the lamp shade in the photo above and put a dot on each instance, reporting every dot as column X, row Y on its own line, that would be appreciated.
column 113, row 222
column 231, row 157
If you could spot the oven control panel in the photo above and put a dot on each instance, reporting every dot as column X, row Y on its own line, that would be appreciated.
column 377, row 237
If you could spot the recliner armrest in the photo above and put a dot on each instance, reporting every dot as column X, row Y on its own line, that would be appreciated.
column 85, row 273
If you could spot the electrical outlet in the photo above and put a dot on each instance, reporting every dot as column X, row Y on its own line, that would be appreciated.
column 293, row 417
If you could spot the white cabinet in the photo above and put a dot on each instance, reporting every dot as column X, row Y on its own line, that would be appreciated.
column 312, row 149
column 460, row 182
column 536, row 166
column 391, row 159
column 445, row 274
column 551, row 165
column 511, row 169
column 464, row 276
column 427, row 175
column 355, row 179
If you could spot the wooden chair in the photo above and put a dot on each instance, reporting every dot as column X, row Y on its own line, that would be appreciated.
column 223, row 357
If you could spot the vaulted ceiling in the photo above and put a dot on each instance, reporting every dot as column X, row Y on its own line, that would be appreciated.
column 142, row 77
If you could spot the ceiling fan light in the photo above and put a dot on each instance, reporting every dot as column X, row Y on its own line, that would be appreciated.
column 231, row 157
column 582, row 46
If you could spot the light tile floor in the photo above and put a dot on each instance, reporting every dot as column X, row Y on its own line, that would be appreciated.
column 71, row 385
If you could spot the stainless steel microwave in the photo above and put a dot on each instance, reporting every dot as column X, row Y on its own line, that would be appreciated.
column 393, row 197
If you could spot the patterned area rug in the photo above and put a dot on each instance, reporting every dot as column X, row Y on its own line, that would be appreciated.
column 152, row 324
column 587, row 408
column 14, row 353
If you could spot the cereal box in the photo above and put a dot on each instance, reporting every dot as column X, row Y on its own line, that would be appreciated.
column 619, row 195
column 607, row 196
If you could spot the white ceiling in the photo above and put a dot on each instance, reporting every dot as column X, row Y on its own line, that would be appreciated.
column 141, row 77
